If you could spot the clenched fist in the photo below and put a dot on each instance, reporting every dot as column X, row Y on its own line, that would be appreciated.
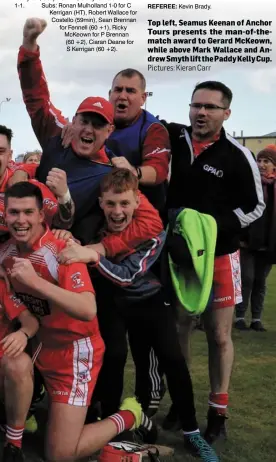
column 57, row 182
column 32, row 29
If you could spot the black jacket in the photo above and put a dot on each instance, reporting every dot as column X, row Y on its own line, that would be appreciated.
column 223, row 181
column 261, row 235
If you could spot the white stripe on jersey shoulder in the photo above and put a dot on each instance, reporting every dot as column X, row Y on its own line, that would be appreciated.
column 58, row 123
column 49, row 254
column 247, row 218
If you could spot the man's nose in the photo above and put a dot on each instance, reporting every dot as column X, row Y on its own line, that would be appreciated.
column 117, row 209
column 202, row 110
column 21, row 217
column 123, row 94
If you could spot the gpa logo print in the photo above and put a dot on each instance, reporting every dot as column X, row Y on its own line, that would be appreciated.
column 213, row 170
column 77, row 282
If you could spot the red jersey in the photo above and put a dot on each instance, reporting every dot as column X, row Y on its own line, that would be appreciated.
column 57, row 327
column 12, row 166
column 200, row 146
column 10, row 308
column 146, row 221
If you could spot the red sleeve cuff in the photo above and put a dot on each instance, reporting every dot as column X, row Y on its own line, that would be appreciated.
column 95, row 263
column 23, row 52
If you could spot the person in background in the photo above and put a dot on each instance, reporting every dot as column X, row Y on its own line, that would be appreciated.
column 32, row 157
column 258, row 247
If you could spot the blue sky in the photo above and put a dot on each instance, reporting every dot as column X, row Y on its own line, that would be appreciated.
column 72, row 77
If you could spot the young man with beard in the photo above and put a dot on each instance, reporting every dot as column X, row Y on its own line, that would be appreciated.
column 62, row 297
column 138, row 309
column 139, row 142
column 213, row 174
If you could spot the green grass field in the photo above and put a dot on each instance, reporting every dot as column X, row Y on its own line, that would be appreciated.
column 252, row 395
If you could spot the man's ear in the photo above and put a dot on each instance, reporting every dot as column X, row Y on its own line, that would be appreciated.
column 41, row 216
column 111, row 129
column 109, row 93
column 101, row 202
column 137, row 200
column 144, row 97
column 227, row 114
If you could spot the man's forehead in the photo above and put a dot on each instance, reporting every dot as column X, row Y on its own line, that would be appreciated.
column 113, row 196
column 127, row 82
column 4, row 143
column 206, row 94
column 21, row 202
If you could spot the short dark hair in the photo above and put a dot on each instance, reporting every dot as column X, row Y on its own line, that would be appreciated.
column 24, row 189
column 213, row 85
column 6, row 132
column 129, row 72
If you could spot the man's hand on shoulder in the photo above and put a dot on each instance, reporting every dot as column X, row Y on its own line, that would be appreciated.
column 32, row 29
column 76, row 253
column 67, row 134
column 122, row 162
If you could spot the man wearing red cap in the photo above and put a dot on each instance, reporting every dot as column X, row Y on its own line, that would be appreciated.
column 86, row 159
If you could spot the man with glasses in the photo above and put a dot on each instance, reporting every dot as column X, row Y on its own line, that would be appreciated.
column 213, row 174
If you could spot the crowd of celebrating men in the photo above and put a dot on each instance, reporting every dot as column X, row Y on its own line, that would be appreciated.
column 83, row 250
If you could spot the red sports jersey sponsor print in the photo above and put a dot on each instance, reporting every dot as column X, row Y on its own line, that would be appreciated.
column 57, row 328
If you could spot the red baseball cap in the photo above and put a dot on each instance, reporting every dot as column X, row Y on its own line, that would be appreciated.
column 99, row 106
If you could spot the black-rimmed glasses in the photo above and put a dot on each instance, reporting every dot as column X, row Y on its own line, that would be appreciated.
column 207, row 107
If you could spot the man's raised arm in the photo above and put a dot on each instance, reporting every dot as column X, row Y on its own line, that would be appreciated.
column 47, row 121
